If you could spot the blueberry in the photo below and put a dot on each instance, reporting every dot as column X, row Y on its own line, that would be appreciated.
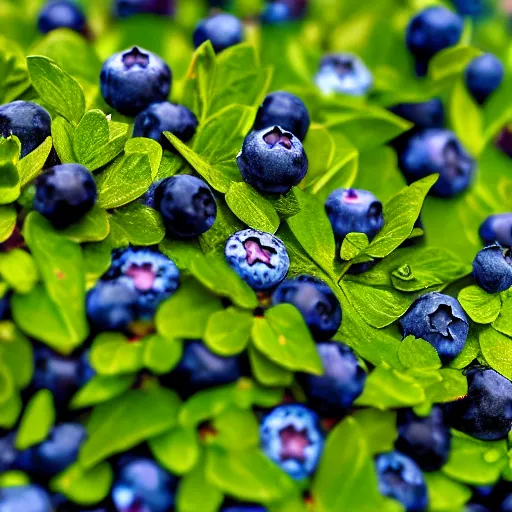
column 142, row 485
column 244, row 508
column 291, row 437
column 429, row 32
column 344, row 73
column 223, row 31
column 333, row 393
column 440, row 320
column 64, row 194
column 492, row 269
column 497, row 228
column 30, row 122
column 260, row 259
column 286, row 110
column 316, row 302
column 153, row 275
column 425, row 114
column 61, row 14
column 134, row 79
column 438, row 151
column 4, row 307
column 473, row 8
column 27, row 498
column 187, row 205
column 165, row 117
column 476, row 507
column 486, row 411
column 401, row 479
column 275, row 13
column 484, row 75
column 272, row 160
column 426, row 440
column 128, row 8
column 8, row 453
column 351, row 210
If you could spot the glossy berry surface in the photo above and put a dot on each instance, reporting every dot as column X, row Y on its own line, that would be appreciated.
column 486, row 411
column 492, row 269
column 272, row 160
column 61, row 14
column 127, row 8
column 222, row 30
column 333, row 393
column 259, row 258
column 64, row 194
column 187, row 205
column 425, row 114
column 27, row 498
column 497, row 228
column 316, row 302
column 438, row 151
column 484, row 75
column 401, row 479
column 30, row 122
column 352, row 210
column 291, row 437
column 165, row 117
column 344, row 73
column 440, row 320
column 427, row 440
column 132, row 80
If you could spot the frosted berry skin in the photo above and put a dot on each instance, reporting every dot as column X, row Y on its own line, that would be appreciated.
column 30, row 122
column 426, row 114
column 354, row 210
column 27, row 498
column 128, row 8
column 259, row 258
column 316, row 302
column 492, row 269
column 291, row 437
column 333, row 393
column 165, row 117
column 497, row 229
column 286, row 110
column 272, row 160
column 223, row 31
column 64, row 194
column 344, row 73
column 484, row 75
column 132, row 80
column 440, row 320
column 61, row 14
column 400, row 478
column 438, row 151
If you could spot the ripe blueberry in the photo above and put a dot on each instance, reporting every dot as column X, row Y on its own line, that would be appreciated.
column 127, row 8
column 440, row 320
column 30, row 122
column 275, row 13
column 61, row 14
column 333, row 393
column 497, row 229
column 64, row 194
column 165, row 117
column 8, row 453
column 260, row 259
column 492, row 269
column 292, row 438
column 344, row 73
column 134, row 79
column 223, row 31
column 473, row 8
column 27, row 498
column 244, row 508
column 316, row 302
column 484, row 75
column 425, row 114
column 272, row 160
column 438, row 151
column 285, row 110
column 401, row 479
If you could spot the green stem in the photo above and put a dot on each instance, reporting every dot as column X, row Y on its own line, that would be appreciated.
column 344, row 269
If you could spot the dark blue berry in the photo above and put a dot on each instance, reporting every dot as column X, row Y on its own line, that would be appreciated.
column 473, row 8
column 165, row 117
column 401, row 479
column 27, row 498
column 64, row 194
column 223, row 31
column 352, row 210
column 426, row 440
column 492, row 269
column 291, row 437
column 486, row 411
column 272, row 160
column 4, row 307
column 425, row 114
column 30, row 122
column 276, row 13
column 316, row 302
column 187, row 205
column 134, row 79
column 484, row 75
column 244, row 508
column 333, row 393
column 497, row 229
column 285, row 110
column 8, row 453
column 440, row 320
column 61, row 14
column 127, row 8
column 260, row 259
column 438, row 151
column 344, row 73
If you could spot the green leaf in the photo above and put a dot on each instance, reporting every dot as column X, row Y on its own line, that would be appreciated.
column 444, row 494
column 378, row 428
column 451, row 61
column 7, row 222
column 266, row 372
column 101, row 389
column 496, row 348
column 18, row 269
column 182, row 252
column 6, row 383
column 93, row 227
column 353, row 245
column 503, row 323
column 236, row 429
column 112, row 354
column 16, row 352
column 418, row 353
column 37, row 421
column 32, row 164
column 56, row 88
column 228, row 331
column 482, row 307
column 320, row 148
column 9, row 177
column 161, row 354
column 97, row 258
column 13, row 68
column 62, row 137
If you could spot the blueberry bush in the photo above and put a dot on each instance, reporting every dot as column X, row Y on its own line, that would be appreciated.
column 288, row 290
